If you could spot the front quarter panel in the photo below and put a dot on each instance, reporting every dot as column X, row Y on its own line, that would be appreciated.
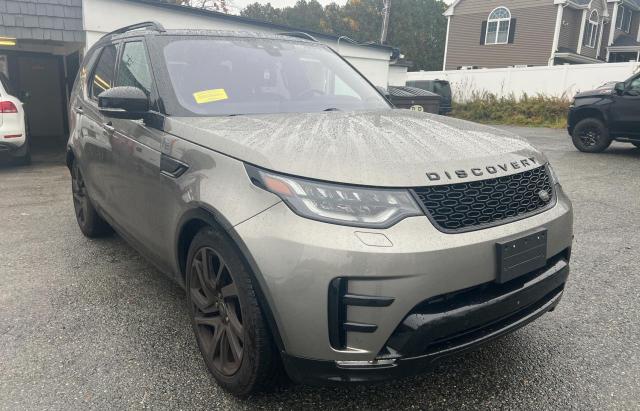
column 213, row 182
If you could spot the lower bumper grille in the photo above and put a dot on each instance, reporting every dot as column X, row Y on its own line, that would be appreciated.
column 457, row 319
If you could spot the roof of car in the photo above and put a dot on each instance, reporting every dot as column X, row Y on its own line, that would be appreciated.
column 292, row 36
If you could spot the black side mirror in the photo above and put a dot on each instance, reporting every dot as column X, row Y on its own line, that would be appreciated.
column 619, row 88
column 123, row 102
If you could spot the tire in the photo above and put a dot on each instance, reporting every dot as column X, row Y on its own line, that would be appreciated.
column 591, row 135
column 225, row 313
column 90, row 223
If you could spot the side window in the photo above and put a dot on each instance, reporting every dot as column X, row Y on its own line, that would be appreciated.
column 103, row 75
column 635, row 84
column 134, row 68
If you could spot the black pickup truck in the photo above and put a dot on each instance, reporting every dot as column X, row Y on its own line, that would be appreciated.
column 598, row 117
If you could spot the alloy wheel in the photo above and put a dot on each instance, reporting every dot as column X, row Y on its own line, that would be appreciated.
column 590, row 136
column 217, row 312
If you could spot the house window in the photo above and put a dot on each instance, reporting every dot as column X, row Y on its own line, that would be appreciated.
column 620, row 17
column 498, row 26
column 591, row 30
column 623, row 19
column 625, row 15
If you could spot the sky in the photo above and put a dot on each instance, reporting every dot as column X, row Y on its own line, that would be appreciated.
column 238, row 5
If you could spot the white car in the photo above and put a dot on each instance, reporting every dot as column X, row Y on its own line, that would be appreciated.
column 13, row 129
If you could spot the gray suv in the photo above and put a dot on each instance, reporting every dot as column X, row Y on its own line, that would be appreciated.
column 318, row 232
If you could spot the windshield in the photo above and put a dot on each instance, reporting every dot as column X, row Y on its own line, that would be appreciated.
column 219, row 76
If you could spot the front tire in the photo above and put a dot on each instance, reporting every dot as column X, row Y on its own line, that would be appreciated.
column 231, row 331
column 591, row 135
column 90, row 223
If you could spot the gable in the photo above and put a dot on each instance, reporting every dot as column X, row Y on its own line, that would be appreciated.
column 461, row 7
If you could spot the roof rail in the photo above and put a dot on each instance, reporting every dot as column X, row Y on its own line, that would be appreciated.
column 300, row 35
column 153, row 25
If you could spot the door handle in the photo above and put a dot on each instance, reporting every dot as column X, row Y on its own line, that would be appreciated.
column 78, row 110
column 108, row 127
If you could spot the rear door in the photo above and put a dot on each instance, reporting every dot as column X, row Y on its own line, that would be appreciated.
column 625, row 111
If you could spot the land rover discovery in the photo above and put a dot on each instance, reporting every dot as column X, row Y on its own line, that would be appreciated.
column 316, row 230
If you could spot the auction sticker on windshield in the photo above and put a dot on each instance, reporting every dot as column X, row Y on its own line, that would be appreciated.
column 208, row 96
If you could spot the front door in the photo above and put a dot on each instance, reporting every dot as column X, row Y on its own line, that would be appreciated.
column 40, row 89
column 140, row 191
column 626, row 109
column 96, row 134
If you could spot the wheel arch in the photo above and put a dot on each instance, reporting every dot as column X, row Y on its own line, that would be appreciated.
column 202, row 216
column 588, row 112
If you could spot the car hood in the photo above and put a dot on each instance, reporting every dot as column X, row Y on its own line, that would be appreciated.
column 600, row 92
column 392, row 148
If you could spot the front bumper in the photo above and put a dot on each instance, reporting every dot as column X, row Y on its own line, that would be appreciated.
column 296, row 260
column 460, row 328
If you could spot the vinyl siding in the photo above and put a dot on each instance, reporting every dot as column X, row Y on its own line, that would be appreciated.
column 59, row 20
column 486, row 6
column 533, row 38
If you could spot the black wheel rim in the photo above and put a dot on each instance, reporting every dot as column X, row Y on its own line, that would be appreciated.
column 217, row 313
column 80, row 200
column 589, row 136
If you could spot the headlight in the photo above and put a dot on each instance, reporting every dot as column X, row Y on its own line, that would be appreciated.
column 553, row 175
column 338, row 204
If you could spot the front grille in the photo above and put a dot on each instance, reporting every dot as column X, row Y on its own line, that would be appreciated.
column 478, row 204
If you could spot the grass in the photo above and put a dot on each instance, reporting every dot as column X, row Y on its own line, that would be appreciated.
column 538, row 111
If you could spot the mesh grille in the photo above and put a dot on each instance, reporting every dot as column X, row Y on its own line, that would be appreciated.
column 464, row 206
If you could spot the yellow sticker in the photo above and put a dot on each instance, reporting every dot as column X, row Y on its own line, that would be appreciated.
column 207, row 96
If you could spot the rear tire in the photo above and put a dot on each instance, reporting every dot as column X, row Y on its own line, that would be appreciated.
column 231, row 331
column 591, row 135
column 90, row 223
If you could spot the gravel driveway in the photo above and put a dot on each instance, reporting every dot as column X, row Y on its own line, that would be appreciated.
column 90, row 324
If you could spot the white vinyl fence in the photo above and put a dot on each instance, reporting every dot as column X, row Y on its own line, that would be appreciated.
column 558, row 81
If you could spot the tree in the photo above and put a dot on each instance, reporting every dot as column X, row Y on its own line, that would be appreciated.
column 215, row 5
column 417, row 27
